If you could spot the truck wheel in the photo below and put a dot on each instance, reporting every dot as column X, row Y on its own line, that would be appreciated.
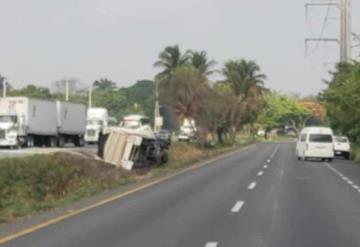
column 165, row 158
column 52, row 142
column 30, row 141
column 61, row 141
column 79, row 141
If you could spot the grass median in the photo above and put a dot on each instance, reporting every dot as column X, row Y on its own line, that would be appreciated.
column 32, row 184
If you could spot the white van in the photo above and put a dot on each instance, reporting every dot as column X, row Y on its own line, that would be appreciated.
column 315, row 142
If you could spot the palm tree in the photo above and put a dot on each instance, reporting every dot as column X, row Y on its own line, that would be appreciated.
column 201, row 62
column 244, row 77
column 170, row 59
column 104, row 84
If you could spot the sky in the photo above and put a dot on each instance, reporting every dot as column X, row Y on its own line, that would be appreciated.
column 42, row 41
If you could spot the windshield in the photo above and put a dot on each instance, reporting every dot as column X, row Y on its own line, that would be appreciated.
column 341, row 139
column 131, row 124
column 94, row 122
column 8, row 119
column 321, row 138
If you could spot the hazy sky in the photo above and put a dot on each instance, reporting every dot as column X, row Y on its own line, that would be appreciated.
column 45, row 40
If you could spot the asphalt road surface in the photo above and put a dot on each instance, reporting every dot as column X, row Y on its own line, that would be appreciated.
column 260, row 197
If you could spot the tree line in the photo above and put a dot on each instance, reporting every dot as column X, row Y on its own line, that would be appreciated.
column 342, row 99
column 119, row 101
column 222, row 108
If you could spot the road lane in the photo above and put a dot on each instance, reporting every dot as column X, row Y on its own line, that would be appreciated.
column 293, row 203
column 179, row 212
column 296, row 204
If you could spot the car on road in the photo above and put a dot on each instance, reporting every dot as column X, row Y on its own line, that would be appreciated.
column 315, row 143
column 342, row 146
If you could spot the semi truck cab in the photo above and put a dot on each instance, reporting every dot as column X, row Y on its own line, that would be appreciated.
column 8, row 130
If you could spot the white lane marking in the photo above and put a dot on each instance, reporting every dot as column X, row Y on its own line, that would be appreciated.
column 275, row 151
column 211, row 244
column 346, row 179
column 237, row 207
column 265, row 166
column 268, row 161
column 260, row 173
column 252, row 185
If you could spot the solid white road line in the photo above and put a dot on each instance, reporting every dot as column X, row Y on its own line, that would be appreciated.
column 211, row 244
column 260, row 173
column 346, row 179
column 237, row 207
column 252, row 185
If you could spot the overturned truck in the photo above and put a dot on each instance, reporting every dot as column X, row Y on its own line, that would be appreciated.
column 133, row 144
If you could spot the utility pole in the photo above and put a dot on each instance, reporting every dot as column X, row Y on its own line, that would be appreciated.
column 345, row 31
column 4, row 88
column 157, row 117
column 344, row 40
column 90, row 95
column 66, row 89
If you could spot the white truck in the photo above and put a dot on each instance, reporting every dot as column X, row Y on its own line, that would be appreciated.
column 28, row 122
column 97, row 119
column 133, row 144
column 71, row 122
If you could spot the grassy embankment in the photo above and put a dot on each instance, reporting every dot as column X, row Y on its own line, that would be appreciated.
column 355, row 153
column 29, row 185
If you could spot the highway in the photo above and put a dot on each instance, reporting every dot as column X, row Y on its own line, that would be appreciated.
column 259, row 197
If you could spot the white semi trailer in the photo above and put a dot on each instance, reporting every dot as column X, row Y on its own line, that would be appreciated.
column 97, row 120
column 35, row 122
column 71, row 122
column 27, row 122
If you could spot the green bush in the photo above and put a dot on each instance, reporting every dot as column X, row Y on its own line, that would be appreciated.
column 355, row 153
column 31, row 184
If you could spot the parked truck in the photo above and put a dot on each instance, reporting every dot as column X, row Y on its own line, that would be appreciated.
column 71, row 122
column 97, row 119
column 28, row 122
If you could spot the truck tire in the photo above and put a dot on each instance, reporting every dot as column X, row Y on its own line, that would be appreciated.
column 61, row 141
column 53, row 142
column 165, row 158
column 79, row 141
column 30, row 141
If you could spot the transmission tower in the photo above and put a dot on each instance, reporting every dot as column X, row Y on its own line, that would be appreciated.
column 344, row 39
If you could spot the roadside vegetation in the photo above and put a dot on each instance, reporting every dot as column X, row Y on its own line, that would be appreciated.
column 342, row 101
column 33, row 184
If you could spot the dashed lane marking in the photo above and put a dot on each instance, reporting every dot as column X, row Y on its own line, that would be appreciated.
column 237, row 207
column 252, row 185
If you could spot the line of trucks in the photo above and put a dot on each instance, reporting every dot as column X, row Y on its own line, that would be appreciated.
column 29, row 122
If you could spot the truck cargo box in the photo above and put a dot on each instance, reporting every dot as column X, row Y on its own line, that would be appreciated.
column 36, row 115
column 71, row 118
